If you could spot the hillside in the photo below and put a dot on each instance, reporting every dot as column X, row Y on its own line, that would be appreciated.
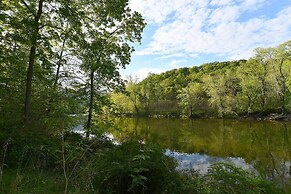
column 258, row 86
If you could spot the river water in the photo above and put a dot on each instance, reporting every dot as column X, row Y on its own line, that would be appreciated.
column 263, row 147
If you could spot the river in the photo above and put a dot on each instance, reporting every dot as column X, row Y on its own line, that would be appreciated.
column 263, row 147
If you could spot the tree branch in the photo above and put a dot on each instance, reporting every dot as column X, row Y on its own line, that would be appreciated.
column 25, row 4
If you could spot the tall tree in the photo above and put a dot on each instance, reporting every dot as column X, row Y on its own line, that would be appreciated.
column 253, row 83
column 193, row 99
column 67, row 41
column 105, row 45
column 35, row 27
column 12, row 64
column 133, row 92
column 281, row 66
column 222, row 89
column 262, row 56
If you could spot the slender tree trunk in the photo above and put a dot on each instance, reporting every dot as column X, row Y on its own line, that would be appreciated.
column 283, row 86
column 249, row 104
column 191, row 111
column 263, row 96
column 136, row 109
column 264, row 84
column 135, row 104
column 55, row 84
column 28, row 84
column 283, row 109
column 281, row 81
column 89, row 121
column 27, row 104
column 59, row 65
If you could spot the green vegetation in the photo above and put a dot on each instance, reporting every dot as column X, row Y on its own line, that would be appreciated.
column 264, row 145
column 59, row 60
column 71, row 163
column 258, row 86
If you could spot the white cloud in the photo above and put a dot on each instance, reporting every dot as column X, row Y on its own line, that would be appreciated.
column 221, row 2
column 144, row 72
column 174, row 55
column 155, row 11
column 224, row 15
column 194, row 27
column 252, row 4
column 174, row 63
column 243, row 55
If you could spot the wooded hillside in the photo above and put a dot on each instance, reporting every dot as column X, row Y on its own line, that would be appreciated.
column 260, row 85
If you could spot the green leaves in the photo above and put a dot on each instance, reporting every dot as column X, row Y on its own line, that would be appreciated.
column 222, row 89
column 71, row 40
column 226, row 178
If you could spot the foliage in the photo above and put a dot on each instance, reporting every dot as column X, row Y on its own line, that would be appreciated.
column 225, row 178
column 60, row 59
column 132, row 167
column 221, row 89
column 193, row 99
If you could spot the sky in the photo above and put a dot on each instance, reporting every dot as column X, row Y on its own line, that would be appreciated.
column 186, row 33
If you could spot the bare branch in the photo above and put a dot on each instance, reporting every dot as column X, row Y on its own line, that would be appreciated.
column 27, row 6
column 115, row 30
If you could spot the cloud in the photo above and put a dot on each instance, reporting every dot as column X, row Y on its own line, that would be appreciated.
column 221, row 2
column 144, row 72
column 224, row 15
column 252, row 4
column 211, row 27
column 155, row 11
column 178, row 54
column 174, row 63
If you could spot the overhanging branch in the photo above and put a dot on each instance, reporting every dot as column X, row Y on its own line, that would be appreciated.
column 27, row 6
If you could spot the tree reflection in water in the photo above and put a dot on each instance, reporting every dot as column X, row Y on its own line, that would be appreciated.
column 261, row 146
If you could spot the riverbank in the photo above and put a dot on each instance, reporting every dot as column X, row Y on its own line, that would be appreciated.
column 71, row 164
column 274, row 116
column 252, row 116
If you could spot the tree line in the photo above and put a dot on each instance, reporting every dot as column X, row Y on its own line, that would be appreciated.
column 257, row 86
column 59, row 57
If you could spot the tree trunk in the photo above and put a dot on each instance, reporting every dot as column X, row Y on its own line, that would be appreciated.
column 89, row 121
column 263, row 95
column 55, row 84
column 283, row 109
column 191, row 111
column 249, row 104
column 136, row 109
column 28, row 84
column 283, row 86
column 135, row 104
column 59, row 65
column 27, row 104
column 264, row 84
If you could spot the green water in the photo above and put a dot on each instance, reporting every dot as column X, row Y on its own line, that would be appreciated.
column 262, row 146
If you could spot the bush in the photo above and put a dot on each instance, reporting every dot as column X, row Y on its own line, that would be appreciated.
column 226, row 178
column 138, row 168
column 97, row 166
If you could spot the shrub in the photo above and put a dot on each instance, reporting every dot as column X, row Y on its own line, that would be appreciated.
column 138, row 168
column 226, row 178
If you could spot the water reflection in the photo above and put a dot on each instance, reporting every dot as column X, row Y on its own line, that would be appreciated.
column 260, row 146
column 201, row 162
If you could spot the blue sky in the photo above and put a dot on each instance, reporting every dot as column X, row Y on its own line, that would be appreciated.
column 184, row 33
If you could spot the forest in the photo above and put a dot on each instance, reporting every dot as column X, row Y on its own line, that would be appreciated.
column 259, row 86
column 59, row 68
